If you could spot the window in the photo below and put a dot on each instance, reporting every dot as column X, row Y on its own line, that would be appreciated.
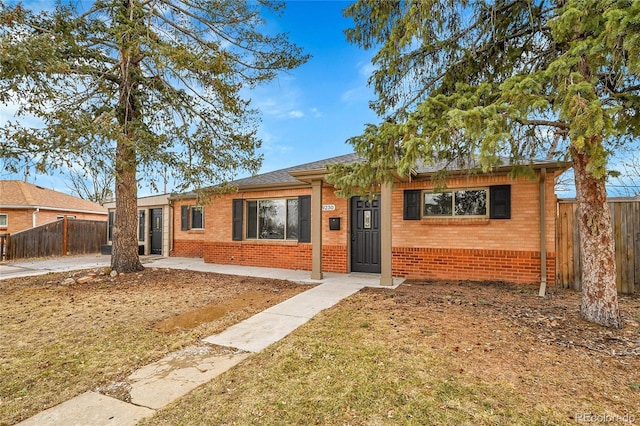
column 468, row 202
column 197, row 217
column 494, row 202
column 273, row 219
column 4, row 220
column 140, row 225
column 191, row 217
column 69, row 217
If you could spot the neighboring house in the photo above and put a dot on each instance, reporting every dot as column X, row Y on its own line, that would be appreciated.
column 24, row 206
column 484, row 226
column 154, row 218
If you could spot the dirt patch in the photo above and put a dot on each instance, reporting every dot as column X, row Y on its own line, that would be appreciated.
column 193, row 318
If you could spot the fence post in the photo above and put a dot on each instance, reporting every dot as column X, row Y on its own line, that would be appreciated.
column 65, row 235
column 4, row 246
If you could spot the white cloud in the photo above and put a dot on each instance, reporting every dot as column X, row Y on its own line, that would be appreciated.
column 365, row 69
column 296, row 114
column 316, row 113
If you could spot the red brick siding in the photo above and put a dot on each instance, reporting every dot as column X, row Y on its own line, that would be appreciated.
column 470, row 264
column 270, row 255
column 187, row 248
column 334, row 259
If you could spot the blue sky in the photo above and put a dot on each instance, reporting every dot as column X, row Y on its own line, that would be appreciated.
column 309, row 112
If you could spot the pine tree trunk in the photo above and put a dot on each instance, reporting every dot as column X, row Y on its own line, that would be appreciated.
column 125, row 257
column 599, row 292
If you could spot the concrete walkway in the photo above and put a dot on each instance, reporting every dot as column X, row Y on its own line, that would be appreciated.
column 154, row 386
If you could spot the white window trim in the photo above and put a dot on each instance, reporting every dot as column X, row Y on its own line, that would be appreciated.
column 6, row 220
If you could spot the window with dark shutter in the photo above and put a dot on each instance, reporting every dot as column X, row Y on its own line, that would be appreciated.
column 500, row 200
column 184, row 218
column 236, row 227
column 412, row 204
column 304, row 219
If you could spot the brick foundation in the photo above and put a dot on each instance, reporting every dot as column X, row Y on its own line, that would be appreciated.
column 421, row 263
column 469, row 264
column 187, row 248
column 268, row 255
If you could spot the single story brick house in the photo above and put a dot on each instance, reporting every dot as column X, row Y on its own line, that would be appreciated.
column 24, row 206
column 483, row 226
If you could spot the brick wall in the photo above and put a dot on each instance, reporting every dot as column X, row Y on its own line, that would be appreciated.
column 187, row 248
column 284, row 255
column 187, row 243
column 471, row 264
column 476, row 248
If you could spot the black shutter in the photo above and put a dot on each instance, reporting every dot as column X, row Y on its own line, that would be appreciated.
column 500, row 202
column 184, row 218
column 304, row 219
column 236, row 221
column 112, row 218
column 411, row 204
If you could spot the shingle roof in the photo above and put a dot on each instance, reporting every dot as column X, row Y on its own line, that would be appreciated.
column 283, row 175
column 16, row 193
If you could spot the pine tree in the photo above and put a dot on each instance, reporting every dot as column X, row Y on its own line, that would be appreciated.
column 486, row 79
column 142, row 85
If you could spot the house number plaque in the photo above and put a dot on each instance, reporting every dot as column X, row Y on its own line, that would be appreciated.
column 367, row 219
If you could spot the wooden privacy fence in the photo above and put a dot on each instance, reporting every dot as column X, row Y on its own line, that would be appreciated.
column 59, row 238
column 625, row 217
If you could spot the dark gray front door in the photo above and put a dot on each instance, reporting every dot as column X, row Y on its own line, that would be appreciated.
column 156, row 231
column 365, row 235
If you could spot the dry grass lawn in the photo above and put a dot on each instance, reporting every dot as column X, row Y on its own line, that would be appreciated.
column 434, row 354
column 425, row 353
column 57, row 341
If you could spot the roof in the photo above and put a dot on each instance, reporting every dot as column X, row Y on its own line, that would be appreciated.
column 289, row 176
column 284, row 176
column 19, row 194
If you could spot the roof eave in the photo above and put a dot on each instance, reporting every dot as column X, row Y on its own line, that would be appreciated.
column 501, row 170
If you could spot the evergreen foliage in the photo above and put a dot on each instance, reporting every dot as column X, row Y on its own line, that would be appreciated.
column 191, row 59
column 143, row 85
column 492, row 79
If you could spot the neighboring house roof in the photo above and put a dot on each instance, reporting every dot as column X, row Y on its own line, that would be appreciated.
column 289, row 176
column 16, row 194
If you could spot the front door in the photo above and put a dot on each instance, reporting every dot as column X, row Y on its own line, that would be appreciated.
column 365, row 235
column 156, row 231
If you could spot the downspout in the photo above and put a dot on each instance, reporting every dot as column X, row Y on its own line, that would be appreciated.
column 171, row 227
column 33, row 217
column 543, row 235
